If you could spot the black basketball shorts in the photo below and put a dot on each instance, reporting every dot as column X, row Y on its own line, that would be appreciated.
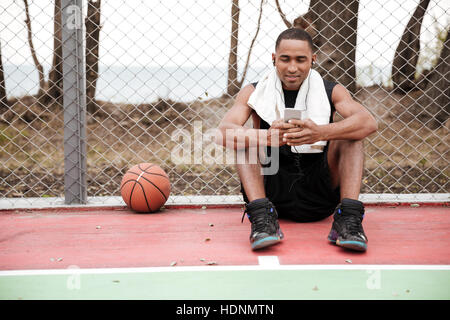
column 301, row 189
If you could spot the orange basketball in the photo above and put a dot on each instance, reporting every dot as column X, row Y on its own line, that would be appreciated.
column 145, row 187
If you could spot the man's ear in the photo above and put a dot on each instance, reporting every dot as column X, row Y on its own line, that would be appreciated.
column 273, row 58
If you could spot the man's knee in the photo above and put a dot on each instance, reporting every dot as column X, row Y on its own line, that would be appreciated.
column 339, row 147
column 353, row 150
column 346, row 144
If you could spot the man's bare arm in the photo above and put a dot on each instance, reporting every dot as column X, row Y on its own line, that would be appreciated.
column 357, row 124
column 232, row 132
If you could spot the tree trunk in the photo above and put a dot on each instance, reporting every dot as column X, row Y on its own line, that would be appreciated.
column 232, row 84
column 407, row 53
column 55, row 78
column 333, row 27
column 3, row 97
column 433, row 107
column 33, row 52
column 92, row 52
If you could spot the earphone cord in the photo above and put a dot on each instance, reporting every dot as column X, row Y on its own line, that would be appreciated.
column 297, row 156
column 306, row 100
column 299, row 174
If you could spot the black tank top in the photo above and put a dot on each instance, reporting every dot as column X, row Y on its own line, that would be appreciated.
column 290, row 97
column 294, row 161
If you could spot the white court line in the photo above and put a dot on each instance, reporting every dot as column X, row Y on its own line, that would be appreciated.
column 71, row 271
column 268, row 261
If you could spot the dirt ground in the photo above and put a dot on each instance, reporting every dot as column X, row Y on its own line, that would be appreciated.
column 404, row 156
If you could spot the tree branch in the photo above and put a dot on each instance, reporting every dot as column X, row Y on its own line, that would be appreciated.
column 33, row 51
column 251, row 45
column 283, row 16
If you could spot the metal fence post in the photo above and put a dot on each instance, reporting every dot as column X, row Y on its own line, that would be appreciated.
column 74, row 100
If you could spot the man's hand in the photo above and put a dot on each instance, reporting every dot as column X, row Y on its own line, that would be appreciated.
column 276, row 132
column 304, row 132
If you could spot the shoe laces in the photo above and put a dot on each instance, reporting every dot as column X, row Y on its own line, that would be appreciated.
column 260, row 220
column 353, row 221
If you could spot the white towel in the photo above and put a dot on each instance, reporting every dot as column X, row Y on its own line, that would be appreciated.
column 268, row 102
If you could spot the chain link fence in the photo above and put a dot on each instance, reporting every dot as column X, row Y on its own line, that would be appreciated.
column 90, row 88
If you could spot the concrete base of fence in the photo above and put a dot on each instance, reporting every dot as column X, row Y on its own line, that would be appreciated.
column 212, row 201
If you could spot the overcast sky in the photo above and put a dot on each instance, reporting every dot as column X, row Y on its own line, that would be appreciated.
column 197, row 33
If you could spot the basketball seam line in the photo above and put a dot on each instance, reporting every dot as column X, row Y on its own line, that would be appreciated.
column 151, row 165
column 124, row 183
column 143, row 191
column 140, row 176
column 155, row 187
column 155, row 174
column 165, row 197
column 145, row 196
column 131, row 194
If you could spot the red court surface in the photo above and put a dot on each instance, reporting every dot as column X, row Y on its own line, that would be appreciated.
column 118, row 237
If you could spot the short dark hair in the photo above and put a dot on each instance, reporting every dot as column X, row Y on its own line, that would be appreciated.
column 294, row 34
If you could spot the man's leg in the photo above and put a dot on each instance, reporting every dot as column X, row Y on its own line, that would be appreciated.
column 265, row 229
column 346, row 164
column 252, row 180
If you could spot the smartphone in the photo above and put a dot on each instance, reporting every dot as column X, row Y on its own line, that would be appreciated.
column 292, row 114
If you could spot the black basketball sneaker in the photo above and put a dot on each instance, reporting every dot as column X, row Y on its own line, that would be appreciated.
column 347, row 230
column 265, row 229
